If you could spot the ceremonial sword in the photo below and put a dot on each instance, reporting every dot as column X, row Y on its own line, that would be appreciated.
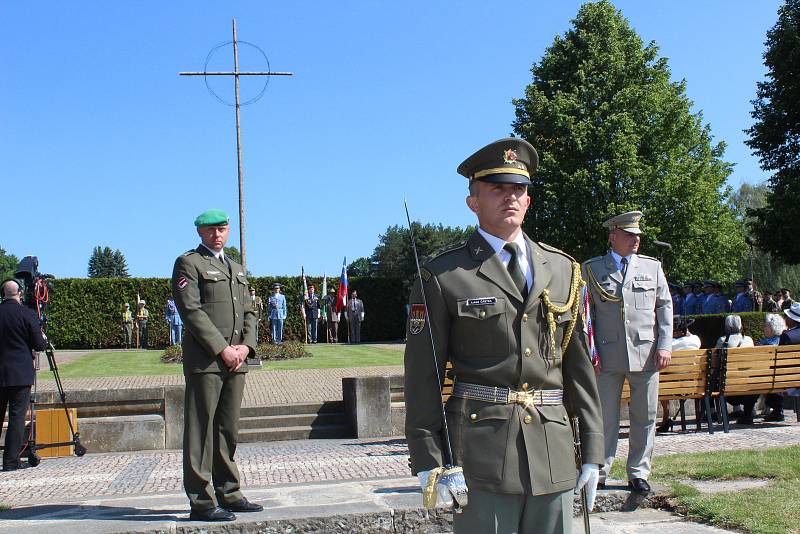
column 449, row 460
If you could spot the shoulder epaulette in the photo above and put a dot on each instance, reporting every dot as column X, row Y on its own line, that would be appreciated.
column 449, row 250
column 648, row 257
column 590, row 260
column 554, row 249
column 188, row 252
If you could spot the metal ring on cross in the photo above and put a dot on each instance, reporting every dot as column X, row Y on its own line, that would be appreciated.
column 222, row 100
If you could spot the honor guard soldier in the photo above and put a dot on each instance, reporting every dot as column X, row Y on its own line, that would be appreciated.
column 504, row 311
column 211, row 292
column 631, row 312
column 127, row 326
column 142, row 316
column 277, row 313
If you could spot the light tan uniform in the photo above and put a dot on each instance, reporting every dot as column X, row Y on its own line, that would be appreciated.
column 628, row 329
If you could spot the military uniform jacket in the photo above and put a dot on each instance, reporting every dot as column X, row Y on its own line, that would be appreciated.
column 627, row 333
column 277, row 306
column 482, row 326
column 214, row 302
column 312, row 305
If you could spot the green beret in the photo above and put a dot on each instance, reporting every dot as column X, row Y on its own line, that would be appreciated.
column 212, row 218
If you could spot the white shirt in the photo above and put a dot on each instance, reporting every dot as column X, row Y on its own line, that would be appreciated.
column 690, row 341
column 505, row 256
column 618, row 260
column 219, row 255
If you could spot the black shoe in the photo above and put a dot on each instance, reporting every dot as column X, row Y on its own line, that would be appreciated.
column 212, row 514
column 775, row 417
column 735, row 414
column 666, row 426
column 743, row 420
column 639, row 485
column 601, row 485
column 243, row 505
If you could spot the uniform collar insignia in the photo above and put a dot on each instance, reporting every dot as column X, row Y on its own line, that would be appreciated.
column 478, row 250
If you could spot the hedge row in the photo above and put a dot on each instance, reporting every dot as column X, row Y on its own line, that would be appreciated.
column 86, row 313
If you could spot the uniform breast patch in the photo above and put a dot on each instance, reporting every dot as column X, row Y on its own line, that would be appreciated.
column 416, row 319
column 643, row 277
column 182, row 283
column 482, row 301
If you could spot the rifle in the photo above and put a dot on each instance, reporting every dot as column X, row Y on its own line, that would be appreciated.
column 576, row 440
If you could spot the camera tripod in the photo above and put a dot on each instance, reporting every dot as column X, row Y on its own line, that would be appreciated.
column 33, row 458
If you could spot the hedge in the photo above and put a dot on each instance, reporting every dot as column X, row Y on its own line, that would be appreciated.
column 85, row 313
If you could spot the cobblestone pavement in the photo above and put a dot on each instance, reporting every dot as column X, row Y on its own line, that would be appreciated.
column 263, row 387
column 292, row 462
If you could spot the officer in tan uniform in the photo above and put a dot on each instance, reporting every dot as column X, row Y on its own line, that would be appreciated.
column 632, row 316
column 211, row 292
column 504, row 311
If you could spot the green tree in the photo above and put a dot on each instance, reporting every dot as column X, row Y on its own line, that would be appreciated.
column 613, row 135
column 775, row 137
column 767, row 272
column 394, row 257
column 105, row 263
column 8, row 264
column 233, row 253
column 359, row 268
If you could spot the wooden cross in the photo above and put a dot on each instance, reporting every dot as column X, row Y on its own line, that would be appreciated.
column 236, row 73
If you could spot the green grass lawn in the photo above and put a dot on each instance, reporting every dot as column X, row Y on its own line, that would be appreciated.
column 148, row 362
column 773, row 509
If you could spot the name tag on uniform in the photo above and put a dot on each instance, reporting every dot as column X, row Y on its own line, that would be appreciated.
column 213, row 272
column 643, row 277
column 482, row 301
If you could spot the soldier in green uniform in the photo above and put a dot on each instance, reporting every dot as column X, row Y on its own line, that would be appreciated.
column 211, row 292
column 504, row 311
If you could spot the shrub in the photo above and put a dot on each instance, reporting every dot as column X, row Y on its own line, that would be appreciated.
column 285, row 351
column 172, row 354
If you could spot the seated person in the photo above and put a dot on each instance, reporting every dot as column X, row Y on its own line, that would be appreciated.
column 774, row 325
column 733, row 337
column 682, row 339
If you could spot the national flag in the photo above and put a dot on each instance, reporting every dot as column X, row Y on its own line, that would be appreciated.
column 305, row 292
column 341, row 295
column 324, row 309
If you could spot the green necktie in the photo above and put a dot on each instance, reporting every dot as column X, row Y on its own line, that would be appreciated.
column 514, row 270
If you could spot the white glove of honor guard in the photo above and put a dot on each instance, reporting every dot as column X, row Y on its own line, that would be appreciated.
column 590, row 475
column 443, row 487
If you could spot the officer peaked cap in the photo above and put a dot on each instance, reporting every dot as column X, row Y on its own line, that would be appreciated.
column 506, row 161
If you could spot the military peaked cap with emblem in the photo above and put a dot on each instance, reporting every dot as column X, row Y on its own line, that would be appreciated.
column 628, row 222
column 212, row 217
column 507, row 161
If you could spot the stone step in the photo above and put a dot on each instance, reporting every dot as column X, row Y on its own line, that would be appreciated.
column 293, row 409
column 252, row 435
column 281, row 421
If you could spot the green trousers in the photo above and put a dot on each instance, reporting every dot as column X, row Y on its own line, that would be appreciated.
column 210, row 429
column 502, row 513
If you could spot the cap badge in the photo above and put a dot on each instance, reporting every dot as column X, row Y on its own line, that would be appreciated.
column 509, row 156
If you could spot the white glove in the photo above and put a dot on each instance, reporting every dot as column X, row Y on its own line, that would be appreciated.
column 590, row 476
column 449, row 485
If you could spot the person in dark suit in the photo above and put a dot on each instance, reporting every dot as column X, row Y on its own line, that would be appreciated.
column 211, row 292
column 355, row 316
column 20, row 334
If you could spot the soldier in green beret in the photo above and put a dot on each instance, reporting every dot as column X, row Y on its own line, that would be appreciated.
column 211, row 292
column 504, row 311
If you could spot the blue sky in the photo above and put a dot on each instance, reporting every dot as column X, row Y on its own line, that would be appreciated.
column 102, row 143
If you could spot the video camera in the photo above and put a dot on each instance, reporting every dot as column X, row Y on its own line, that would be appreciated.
column 36, row 286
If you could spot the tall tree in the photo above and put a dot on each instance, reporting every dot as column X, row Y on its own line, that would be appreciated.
column 233, row 253
column 359, row 268
column 613, row 135
column 775, row 137
column 105, row 263
column 767, row 272
column 8, row 264
column 394, row 257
